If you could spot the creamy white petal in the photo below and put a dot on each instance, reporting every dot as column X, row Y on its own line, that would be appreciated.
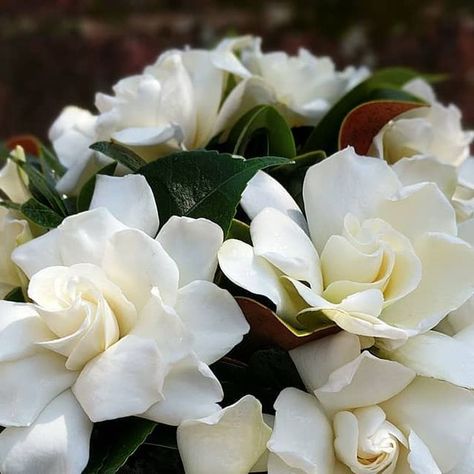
column 193, row 245
column 365, row 381
column 124, row 380
column 440, row 413
column 361, row 184
column 315, row 361
column 241, row 266
column 161, row 323
column 137, row 263
column 149, row 136
column 227, row 442
column 462, row 317
column 418, row 209
column 28, row 385
column 264, row 191
column 190, row 391
column 38, row 253
column 420, row 168
column 302, row 436
column 129, row 199
column 420, row 459
column 12, row 182
column 56, row 443
column 20, row 329
column 213, row 317
column 278, row 239
column 436, row 355
column 466, row 231
column 447, row 282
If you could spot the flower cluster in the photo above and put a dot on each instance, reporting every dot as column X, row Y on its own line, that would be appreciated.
column 271, row 257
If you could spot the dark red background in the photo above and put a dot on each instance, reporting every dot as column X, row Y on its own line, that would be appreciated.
column 59, row 52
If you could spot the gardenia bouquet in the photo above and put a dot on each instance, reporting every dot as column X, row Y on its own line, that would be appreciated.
column 242, row 262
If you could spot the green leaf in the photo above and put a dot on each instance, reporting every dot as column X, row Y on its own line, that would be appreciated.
column 239, row 230
column 85, row 195
column 42, row 189
column 113, row 442
column 40, row 214
column 202, row 183
column 50, row 163
column 120, row 153
column 382, row 85
column 16, row 295
column 278, row 136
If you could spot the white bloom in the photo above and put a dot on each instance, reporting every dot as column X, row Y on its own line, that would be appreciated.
column 362, row 415
column 122, row 324
column 304, row 87
column 177, row 103
column 13, row 230
column 434, row 131
column 227, row 442
column 381, row 259
column 382, row 418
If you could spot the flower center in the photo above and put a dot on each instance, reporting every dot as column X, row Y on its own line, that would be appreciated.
column 85, row 311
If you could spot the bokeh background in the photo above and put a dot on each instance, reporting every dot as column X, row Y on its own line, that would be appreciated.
column 59, row 52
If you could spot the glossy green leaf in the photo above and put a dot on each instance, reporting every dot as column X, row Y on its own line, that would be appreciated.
column 239, row 230
column 119, row 153
column 202, row 183
column 382, row 85
column 113, row 442
column 40, row 214
column 277, row 135
column 85, row 195
column 16, row 295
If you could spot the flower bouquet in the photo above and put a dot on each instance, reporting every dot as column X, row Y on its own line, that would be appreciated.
column 242, row 262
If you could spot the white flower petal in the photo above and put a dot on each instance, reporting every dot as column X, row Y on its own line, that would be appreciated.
column 38, row 253
column 193, row 245
column 20, row 329
column 241, row 266
column 285, row 245
column 129, row 199
column 227, row 442
column 137, row 263
column 149, row 136
column 420, row 168
column 466, row 231
column 264, row 191
column 441, row 414
column 436, row 355
column 160, row 322
column 418, row 209
column 28, row 385
column 56, row 443
column 12, row 183
column 302, row 436
column 190, row 391
column 361, row 184
column 83, row 237
column 213, row 317
column 124, row 380
column 365, row 381
column 447, row 282
column 315, row 361
column 420, row 459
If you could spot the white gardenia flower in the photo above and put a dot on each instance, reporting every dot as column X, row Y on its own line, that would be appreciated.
column 435, row 131
column 304, row 86
column 381, row 259
column 177, row 103
column 362, row 414
column 14, row 230
column 122, row 323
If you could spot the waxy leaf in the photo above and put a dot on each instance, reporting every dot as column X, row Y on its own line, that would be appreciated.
column 120, row 153
column 40, row 214
column 363, row 123
column 202, row 184
column 277, row 137
column 382, row 85
column 266, row 328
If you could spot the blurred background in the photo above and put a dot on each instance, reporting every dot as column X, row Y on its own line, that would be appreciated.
column 59, row 52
